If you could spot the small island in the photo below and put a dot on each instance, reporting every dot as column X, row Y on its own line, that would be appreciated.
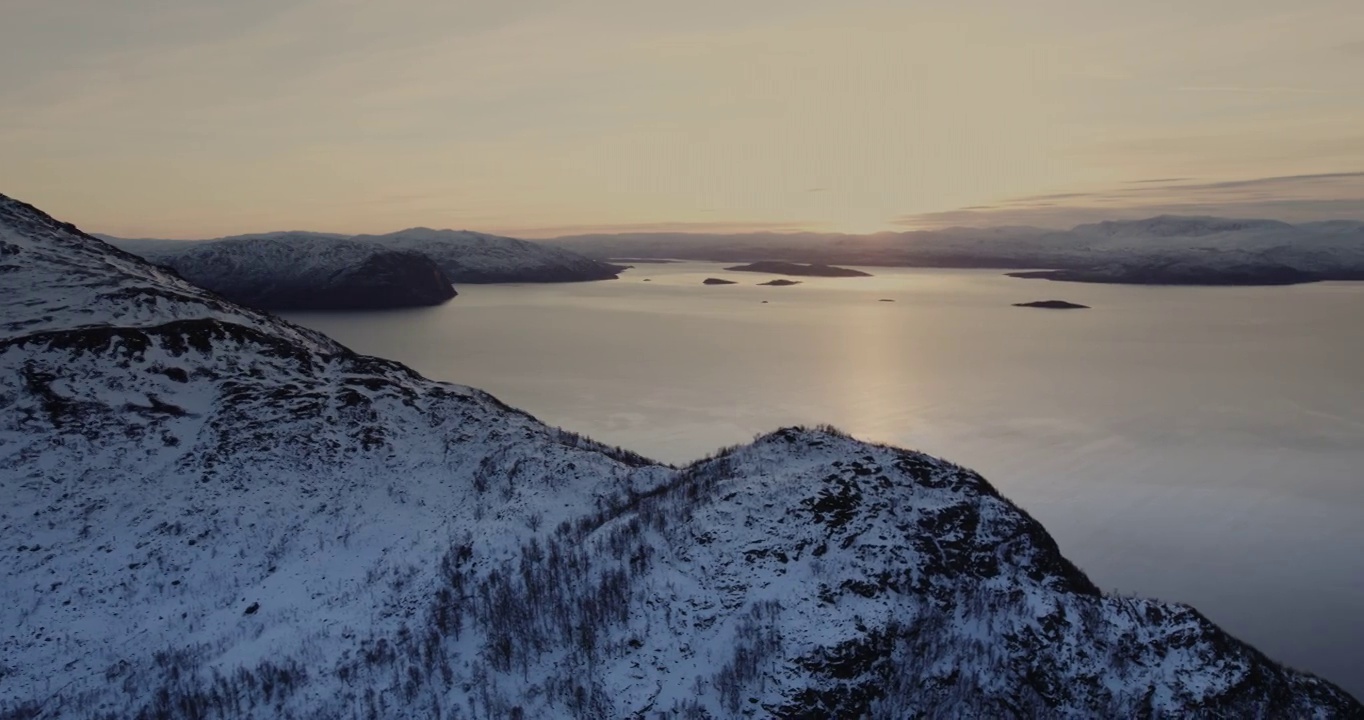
column 717, row 281
column 885, row 300
column 1052, row 305
column 780, row 282
column 640, row 261
column 773, row 267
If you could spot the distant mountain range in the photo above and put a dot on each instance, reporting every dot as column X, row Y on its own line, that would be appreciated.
column 1166, row 249
column 302, row 270
column 212, row 513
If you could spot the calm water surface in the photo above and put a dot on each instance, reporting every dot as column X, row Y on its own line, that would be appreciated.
column 1204, row 445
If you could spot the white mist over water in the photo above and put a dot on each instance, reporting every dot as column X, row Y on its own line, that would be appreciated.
column 1204, row 445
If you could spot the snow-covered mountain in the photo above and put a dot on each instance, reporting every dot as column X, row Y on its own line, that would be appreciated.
column 298, row 270
column 212, row 513
column 472, row 257
column 1168, row 249
column 1183, row 226
column 302, row 271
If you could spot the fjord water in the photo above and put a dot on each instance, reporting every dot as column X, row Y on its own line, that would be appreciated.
column 1203, row 445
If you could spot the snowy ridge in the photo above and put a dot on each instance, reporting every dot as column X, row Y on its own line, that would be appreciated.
column 480, row 258
column 54, row 277
column 212, row 514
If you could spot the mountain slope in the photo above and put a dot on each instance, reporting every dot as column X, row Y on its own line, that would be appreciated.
column 479, row 258
column 54, row 277
column 213, row 513
column 303, row 271
column 166, row 468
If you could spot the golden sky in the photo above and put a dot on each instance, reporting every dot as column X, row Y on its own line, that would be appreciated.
column 198, row 118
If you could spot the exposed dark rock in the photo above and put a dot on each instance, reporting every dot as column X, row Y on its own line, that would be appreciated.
column 1052, row 305
column 776, row 267
column 717, row 281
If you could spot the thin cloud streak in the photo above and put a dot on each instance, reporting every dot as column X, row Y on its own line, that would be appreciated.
column 1065, row 217
column 1294, row 198
column 1253, row 90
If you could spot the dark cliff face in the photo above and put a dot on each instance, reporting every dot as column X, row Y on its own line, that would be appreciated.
column 385, row 280
column 586, row 272
column 313, row 274
column 400, row 279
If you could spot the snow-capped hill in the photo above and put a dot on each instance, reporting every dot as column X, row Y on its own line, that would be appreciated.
column 1336, row 226
column 480, row 258
column 298, row 271
column 54, row 277
column 1185, row 226
column 189, row 481
column 1211, row 251
column 812, row 575
column 210, row 514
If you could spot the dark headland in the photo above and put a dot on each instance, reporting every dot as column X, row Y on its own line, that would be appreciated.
column 641, row 261
column 1185, row 274
column 773, row 267
column 1053, row 305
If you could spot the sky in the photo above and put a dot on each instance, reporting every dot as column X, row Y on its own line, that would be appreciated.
column 202, row 118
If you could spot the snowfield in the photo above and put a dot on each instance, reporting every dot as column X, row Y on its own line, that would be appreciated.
column 212, row 513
